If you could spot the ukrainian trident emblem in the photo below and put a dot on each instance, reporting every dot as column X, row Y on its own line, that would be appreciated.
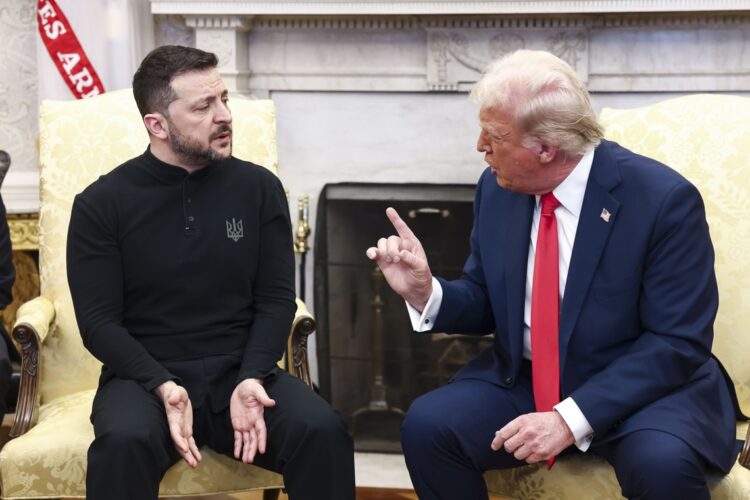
column 234, row 230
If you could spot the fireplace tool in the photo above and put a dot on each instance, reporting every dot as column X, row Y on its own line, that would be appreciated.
column 376, row 427
column 300, row 241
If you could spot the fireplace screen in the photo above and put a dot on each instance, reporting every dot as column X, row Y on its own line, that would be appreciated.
column 371, row 364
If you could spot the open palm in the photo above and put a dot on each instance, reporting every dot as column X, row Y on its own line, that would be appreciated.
column 246, row 408
column 179, row 412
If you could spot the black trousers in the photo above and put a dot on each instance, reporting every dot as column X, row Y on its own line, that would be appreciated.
column 307, row 442
column 6, row 371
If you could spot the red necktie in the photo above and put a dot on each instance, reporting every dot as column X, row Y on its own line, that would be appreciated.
column 545, row 312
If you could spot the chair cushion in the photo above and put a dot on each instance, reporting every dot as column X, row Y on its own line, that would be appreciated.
column 576, row 477
column 32, row 467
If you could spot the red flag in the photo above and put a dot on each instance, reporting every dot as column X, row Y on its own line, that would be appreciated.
column 66, row 51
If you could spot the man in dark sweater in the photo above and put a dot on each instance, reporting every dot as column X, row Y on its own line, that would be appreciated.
column 181, row 269
column 8, row 351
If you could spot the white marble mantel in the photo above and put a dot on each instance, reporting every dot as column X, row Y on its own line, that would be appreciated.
column 420, row 46
column 398, row 7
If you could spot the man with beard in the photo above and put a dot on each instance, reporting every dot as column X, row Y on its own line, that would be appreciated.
column 181, row 270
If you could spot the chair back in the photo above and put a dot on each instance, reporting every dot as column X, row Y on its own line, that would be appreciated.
column 707, row 139
column 78, row 142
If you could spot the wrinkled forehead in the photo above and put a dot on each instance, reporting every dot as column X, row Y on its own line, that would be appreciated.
column 196, row 85
column 495, row 117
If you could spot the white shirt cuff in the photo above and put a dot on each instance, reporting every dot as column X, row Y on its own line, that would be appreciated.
column 577, row 422
column 422, row 322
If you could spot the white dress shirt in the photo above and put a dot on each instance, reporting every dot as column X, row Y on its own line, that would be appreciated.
column 570, row 194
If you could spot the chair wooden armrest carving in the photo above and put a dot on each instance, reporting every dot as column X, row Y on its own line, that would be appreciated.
column 302, row 327
column 33, row 321
column 745, row 454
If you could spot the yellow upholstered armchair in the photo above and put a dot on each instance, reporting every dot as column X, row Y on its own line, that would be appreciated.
column 79, row 141
column 707, row 139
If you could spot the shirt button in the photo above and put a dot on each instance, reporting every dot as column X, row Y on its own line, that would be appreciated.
column 189, row 200
column 508, row 380
column 427, row 322
column 191, row 218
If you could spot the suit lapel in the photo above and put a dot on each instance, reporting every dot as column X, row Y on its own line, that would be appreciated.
column 516, row 243
column 591, row 238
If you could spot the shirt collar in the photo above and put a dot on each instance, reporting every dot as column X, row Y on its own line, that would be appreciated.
column 172, row 173
column 570, row 192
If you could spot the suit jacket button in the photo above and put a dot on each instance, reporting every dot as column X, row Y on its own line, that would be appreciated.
column 508, row 380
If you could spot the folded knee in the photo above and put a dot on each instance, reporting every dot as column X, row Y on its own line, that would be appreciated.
column 664, row 469
column 127, row 441
column 422, row 425
column 324, row 427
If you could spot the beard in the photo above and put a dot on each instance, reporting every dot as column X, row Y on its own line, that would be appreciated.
column 191, row 151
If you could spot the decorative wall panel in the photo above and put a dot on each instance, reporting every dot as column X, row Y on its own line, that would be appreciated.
column 18, row 103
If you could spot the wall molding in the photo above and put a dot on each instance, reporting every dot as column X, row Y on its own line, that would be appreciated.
column 662, row 21
column 396, row 7
column 628, row 52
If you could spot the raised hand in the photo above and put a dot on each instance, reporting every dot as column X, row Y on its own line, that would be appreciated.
column 180, row 420
column 246, row 406
column 404, row 263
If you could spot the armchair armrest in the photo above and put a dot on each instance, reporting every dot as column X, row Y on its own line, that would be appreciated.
column 302, row 326
column 32, row 325
column 745, row 454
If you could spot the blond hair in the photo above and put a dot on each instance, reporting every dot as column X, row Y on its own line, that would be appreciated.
column 545, row 97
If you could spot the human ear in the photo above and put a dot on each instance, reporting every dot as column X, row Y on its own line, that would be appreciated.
column 547, row 153
column 156, row 125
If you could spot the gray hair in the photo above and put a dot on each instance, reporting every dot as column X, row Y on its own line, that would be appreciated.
column 545, row 97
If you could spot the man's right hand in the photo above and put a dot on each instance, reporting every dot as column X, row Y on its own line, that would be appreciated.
column 180, row 420
column 404, row 263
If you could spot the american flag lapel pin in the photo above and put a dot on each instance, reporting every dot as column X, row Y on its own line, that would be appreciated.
column 605, row 215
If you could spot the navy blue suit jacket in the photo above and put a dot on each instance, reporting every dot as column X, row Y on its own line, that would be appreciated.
column 636, row 321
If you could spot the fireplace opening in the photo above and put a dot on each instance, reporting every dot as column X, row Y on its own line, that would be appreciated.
column 371, row 364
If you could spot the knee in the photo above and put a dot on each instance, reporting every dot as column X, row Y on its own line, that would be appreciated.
column 423, row 425
column 325, row 427
column 669, row 466
column 126, row 444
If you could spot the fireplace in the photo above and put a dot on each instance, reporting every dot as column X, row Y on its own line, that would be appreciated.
column 371, row 364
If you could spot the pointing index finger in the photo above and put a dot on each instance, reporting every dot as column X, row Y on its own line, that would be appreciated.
column 401, row 228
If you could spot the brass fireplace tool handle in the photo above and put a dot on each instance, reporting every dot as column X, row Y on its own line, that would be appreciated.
column 303, row 226
column 300, row 241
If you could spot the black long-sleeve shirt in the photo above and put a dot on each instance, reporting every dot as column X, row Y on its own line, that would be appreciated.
column 166, row 267
column 7, row 271
column 7, row 278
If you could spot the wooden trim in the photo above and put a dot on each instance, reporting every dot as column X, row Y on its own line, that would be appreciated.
column 299, row 365
column 744, row 459
column 28, row 391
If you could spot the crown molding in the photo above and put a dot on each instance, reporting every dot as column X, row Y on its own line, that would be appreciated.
column 396, row 7
column 525, row 22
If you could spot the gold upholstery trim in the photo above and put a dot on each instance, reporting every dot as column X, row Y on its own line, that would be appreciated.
column 24, row 231
column 24, row 238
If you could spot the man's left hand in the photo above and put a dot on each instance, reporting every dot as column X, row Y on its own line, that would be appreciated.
column 534, row 437
column 246, row 406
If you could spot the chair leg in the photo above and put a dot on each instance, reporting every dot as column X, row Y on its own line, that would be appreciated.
column 271, row 494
